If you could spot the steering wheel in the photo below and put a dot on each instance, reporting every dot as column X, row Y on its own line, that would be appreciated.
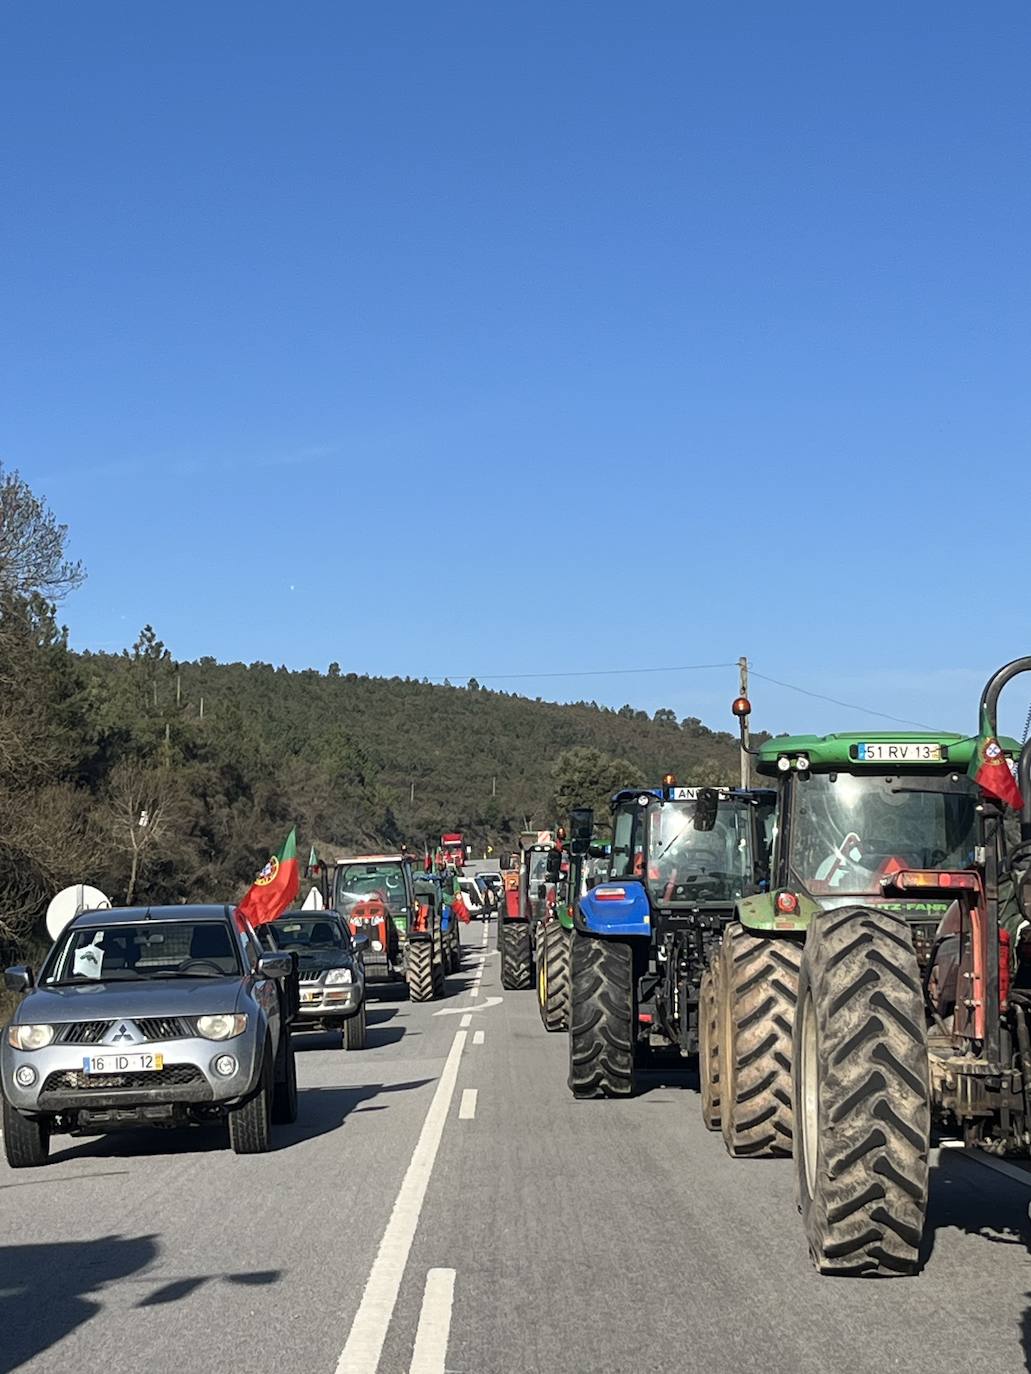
column 188, row 963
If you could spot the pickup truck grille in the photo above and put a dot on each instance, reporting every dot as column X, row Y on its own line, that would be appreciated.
column 73, row 1080
column 150, row 1027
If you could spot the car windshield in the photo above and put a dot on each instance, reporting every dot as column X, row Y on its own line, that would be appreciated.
column 849, row 830
column 686, row 864
column 309, row 933
column 152, row 949
column 359, row 882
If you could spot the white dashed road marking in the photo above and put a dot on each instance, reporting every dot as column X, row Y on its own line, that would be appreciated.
column 467, row 1106
column 434, row 1323
column 477, row 1037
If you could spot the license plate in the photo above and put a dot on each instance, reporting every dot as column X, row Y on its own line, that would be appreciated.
column 900, row 751
column 123, row 1063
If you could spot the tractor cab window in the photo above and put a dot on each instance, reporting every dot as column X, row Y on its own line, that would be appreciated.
column 686, row 864
column 360, row 882
column 848, row 831
column 622, row 859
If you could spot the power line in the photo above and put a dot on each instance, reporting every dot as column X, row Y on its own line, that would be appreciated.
column 848, row 705
column 583, row 672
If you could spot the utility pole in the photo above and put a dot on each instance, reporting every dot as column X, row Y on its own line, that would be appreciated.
column 742, row 709
column 202, row 708
column 178, row 690
column 494, row 785
column 411, row 794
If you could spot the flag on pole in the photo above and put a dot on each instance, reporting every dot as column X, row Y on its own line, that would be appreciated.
column 275, row 887
column 990, row 768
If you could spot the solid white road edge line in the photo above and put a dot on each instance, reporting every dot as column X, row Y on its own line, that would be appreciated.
column 364, row 1345
column 434, row 1323
column 467, row 1106
column 477, row 1037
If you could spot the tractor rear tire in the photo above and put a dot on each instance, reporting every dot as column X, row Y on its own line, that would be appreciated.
column 709, row 1047
column 554, row 975
column 419, row 967
column 758, row 989
column 516, row 955
column 602, row 1017
column 862, row 1095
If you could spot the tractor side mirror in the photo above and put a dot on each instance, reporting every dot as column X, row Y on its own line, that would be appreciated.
column 1022, row 884
column 581, row 828
column 705, row 808
column 554, row 866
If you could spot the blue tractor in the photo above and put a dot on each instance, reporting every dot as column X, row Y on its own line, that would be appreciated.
column 682, row 857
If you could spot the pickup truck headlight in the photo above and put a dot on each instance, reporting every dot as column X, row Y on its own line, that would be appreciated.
column 221, row 1027
column 339, row 975
column 30, row 1037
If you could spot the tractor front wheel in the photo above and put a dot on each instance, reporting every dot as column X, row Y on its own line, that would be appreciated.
column 862, row 1095
column 602, row 1017
column 709, row 1047
column 419, row 970
column 758, row 989
column 554, row 975
column 516, row 955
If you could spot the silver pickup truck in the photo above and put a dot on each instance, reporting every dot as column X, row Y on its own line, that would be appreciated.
column 149, row 1015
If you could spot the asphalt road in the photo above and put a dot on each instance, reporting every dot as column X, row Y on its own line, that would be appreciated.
column 445, row 1204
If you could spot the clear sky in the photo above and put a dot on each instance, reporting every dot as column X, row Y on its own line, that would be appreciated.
column 489, row 338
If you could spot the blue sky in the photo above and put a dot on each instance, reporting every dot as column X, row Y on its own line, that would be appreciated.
column 399, row 334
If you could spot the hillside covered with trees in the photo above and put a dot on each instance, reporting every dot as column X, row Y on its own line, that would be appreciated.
column 170, row 781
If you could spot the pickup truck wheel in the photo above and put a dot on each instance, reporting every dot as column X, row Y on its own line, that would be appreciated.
column 284, row 1097
column 354, row 1030
column 26, row 1143
column 250, row 1124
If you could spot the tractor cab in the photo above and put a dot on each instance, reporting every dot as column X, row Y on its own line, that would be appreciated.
column 374, row 893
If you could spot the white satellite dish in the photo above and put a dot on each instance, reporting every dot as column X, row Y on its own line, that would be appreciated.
column 313, row 901
column 69, row 902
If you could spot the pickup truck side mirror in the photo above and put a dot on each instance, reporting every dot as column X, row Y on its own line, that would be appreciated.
column 275, row 966
column 359, row 942
column 19, row 978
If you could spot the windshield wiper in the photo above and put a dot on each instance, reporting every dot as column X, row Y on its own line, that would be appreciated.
column 186, row 973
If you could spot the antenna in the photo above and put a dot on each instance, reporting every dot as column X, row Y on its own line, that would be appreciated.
column 69, row 902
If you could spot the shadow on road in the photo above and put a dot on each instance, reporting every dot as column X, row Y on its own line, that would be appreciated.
column 321, row 1110
column 50, row 1289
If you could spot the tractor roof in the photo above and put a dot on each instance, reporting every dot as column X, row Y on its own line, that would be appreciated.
column 884, row 748
column 688, row 792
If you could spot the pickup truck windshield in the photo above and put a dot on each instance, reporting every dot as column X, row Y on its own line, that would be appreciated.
column 315, row 933
column 165, row 949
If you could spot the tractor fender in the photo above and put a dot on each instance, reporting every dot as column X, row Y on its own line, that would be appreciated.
column 759, row 912
column 618, row 908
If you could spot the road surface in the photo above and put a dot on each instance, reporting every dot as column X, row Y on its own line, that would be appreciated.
column 443, row 1204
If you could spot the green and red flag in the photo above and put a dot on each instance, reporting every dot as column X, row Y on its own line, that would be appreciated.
column 275, row 888
column 990, row 768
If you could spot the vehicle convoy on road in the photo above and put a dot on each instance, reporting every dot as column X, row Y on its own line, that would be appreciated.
column 330, row 969
column 526, row 903
column 149, row 1016
column 375, row 894
column 909, row 1010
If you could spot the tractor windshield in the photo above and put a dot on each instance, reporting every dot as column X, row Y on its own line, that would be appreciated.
column 686, row 864
column 848, row 831
column 359, row 882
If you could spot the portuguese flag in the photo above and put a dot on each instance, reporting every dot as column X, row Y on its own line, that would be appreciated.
column 275, row 887
column 990, row 768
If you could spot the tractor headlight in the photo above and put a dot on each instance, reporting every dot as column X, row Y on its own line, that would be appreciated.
column 30, row 1037
column 222, row 1026
column 802, row 763
column 378, row 946
column 339, row 975
column 783, row 763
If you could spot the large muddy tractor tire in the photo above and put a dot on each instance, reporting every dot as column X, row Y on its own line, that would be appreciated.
column 419, row 970
column 516, row 955
column 709, row 1047
column 554, row 975
column 862, row 1095
column 602, row 1017
column 758, row 989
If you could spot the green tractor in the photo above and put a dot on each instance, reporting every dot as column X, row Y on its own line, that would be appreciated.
column 583, row 864
column 871, row 989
